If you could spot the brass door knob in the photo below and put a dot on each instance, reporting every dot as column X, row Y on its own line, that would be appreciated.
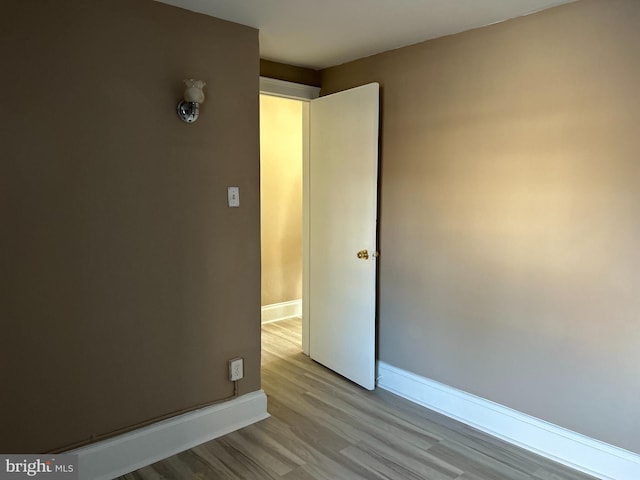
column 363, row 255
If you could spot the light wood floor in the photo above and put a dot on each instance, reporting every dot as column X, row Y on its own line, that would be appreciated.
column 323, row 427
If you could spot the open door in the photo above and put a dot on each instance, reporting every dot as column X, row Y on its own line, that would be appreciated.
column 343, row 207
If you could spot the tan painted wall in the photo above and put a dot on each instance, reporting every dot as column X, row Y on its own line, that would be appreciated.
column 127, row 283
column 281, row 198
column 290, row 73
column 510, row 213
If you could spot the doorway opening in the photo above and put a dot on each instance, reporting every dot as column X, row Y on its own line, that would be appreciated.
column 301, row 95
column 281, row 204
column 339, row 226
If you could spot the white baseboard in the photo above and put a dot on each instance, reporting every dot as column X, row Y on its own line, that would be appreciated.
column 125, row 453
column 281, row 311
column 556, row 443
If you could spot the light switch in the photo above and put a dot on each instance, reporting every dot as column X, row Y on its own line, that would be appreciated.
column 233, row 196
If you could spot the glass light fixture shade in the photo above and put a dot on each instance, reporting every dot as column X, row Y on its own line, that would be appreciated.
column 193, row 92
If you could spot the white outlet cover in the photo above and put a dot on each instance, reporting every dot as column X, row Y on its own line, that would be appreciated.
column 236, row 369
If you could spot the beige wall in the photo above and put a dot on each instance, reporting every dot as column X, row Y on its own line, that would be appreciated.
column 127, row 283
column 281, row 198
column 290, row 73
column 510, row 213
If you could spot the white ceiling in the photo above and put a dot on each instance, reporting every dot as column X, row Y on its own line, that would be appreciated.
column 323, row 33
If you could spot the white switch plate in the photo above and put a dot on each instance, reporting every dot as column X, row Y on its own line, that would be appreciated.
column 233, row 196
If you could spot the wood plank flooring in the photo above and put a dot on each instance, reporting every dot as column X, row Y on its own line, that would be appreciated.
column 323, row 427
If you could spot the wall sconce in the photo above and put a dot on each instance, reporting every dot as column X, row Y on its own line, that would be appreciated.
column 189, row 108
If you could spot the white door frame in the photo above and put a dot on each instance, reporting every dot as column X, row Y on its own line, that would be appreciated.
column 304, row 93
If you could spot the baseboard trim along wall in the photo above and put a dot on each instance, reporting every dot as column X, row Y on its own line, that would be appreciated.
column 556, row 443
column 125, row 453
column 281, row 311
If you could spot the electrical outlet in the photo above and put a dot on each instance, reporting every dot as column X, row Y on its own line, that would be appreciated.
column 236, row 369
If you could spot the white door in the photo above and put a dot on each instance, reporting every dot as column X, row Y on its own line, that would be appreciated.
column 343, row 207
